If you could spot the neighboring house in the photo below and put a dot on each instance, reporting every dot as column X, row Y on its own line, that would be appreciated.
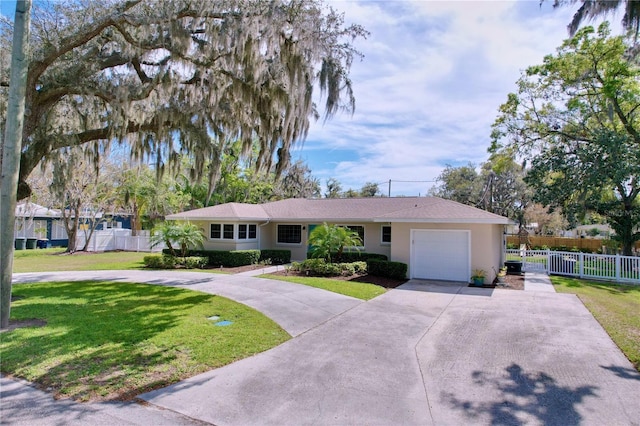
column 439, row 239
column 34, row 221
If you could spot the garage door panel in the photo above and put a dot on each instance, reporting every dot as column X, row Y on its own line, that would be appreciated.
column 441, row 255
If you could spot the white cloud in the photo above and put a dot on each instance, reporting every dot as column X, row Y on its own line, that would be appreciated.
column 428, row 89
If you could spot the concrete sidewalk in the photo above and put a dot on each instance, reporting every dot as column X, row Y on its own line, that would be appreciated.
column 538, row 281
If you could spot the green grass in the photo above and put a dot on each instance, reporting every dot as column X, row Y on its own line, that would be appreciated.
column 106, row 340
column 358, row 290
column 49, row 260
column 616, row 307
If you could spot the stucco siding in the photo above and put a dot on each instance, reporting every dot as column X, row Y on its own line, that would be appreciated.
column 486, row 243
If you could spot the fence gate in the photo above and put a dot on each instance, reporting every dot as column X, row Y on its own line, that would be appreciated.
column 534, row 261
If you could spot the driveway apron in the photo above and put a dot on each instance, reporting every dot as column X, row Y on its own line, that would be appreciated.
column 428, row 353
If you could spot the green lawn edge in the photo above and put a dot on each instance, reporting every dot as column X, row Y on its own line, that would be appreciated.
column 112, row 341
column 362, row 291
column 615, row 306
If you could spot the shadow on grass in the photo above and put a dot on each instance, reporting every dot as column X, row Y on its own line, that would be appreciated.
column 523, row 396
column 96, row 334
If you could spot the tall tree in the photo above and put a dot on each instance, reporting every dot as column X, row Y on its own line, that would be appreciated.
column 334, row 188
column 575, row 116
column 179, row 76
column 298, row 182
column 370, row 189
column 10, row 150
column 462, row 184
column 591, row 9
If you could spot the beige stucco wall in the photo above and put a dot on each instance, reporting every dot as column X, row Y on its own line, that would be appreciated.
column 372, row 239
column 486, row 244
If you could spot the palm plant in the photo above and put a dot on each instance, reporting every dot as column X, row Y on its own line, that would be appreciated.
column 327, row 239
column 185, row 235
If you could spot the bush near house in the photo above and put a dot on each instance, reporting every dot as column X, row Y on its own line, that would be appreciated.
column 352, row 256
column 384, row 268
column 320, row 267
column 275, row 257
column 166, row 261
column 234, row 258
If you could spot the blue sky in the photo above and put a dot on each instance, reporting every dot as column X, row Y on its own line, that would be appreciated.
column 428, row 88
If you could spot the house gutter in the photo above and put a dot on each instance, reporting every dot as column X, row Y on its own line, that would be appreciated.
column 260, row 234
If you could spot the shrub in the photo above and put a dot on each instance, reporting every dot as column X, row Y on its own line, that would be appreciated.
column 352, row 256
column 321, row 267
column 383, row 268
column 156, row 261
column 194, row 262
column 277, row 257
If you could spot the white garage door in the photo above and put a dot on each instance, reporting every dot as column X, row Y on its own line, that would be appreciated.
column 440, row 255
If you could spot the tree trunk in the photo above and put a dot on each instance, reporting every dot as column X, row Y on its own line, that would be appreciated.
column 10, row 162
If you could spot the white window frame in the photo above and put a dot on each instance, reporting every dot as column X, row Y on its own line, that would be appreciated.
column 222, row 237
column 278, row 242
column 248, row 231
column 382, row 241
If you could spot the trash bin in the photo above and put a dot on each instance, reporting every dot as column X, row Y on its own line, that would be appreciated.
column 20, row 243
column 43, row 243
column 514, row 267
column 31, row 243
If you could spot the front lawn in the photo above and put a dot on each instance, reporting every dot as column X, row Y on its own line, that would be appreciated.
column 107, row 340
column 616, row 307
column 54, row 259
column 358, row 290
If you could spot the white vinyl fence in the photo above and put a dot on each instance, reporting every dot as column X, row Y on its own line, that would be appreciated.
column 118, row 239
column 582, row 265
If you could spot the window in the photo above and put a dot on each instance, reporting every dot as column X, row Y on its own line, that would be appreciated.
column 247, row 232
column 219, row 231
column 386, row 234
column 289, row 234
column 356, row 228
column 216, row 230
column 228, row 232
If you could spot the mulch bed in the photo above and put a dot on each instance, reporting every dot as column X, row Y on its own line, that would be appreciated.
column 512, row 282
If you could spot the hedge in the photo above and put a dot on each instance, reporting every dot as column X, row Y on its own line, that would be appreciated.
column 384, row 268
column 165, row 261
column 322, row 268
column 275, row 257
column 352, row 256
column 235, row 258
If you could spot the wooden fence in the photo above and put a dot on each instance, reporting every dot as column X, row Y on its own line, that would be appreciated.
column 592, row 244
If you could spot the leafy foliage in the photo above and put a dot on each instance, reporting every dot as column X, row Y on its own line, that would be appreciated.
column 384, row 268
column 183, row 234
column 179, row 76
column 320, row 267
column 326, row 239
column 576, row 116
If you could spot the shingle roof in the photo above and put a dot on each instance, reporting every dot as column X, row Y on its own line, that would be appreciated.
column 378, row 209
column 228, row 211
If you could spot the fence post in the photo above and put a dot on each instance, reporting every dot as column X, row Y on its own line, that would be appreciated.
column 581, row 268
column 618, row 271
column 547, row 265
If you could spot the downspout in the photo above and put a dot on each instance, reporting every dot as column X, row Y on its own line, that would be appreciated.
column 260, row 233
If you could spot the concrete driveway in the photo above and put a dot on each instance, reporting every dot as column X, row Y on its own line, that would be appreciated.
column 428, row 353
column 425, row 353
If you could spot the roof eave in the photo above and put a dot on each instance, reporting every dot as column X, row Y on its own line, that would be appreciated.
column 488, row 221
